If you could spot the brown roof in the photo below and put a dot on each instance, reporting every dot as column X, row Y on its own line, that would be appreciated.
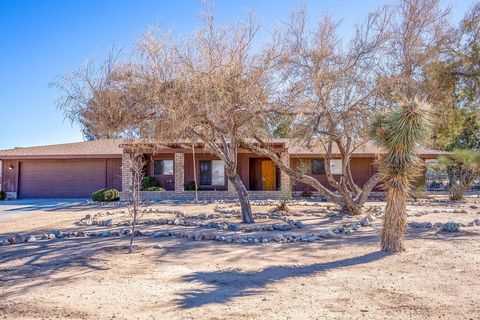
column 86, row 149
column 367, row 149
column 113, row 149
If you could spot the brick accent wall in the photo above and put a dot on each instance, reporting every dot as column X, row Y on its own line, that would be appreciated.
column 179, row 172
column 127, row 175
column 205, row 195
column 285, row 183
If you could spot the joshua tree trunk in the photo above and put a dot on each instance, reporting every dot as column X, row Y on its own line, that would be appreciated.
column 394, row 221
column 247, row 215
column 399, row 132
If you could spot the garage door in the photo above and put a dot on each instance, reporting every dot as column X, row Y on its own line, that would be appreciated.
column 61, row 178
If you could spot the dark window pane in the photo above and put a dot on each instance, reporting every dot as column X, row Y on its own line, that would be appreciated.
column 162, row 167
column 157, row 167
column 318, row 166
column 206, row 172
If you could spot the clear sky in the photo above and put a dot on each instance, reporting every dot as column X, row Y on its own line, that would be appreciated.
column 42, row 39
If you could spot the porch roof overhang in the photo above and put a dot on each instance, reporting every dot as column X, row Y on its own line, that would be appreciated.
column 278, row 145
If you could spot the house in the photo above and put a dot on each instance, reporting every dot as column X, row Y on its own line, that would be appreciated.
column 75, row 170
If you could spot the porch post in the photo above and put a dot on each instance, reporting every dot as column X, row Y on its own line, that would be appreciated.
column 127, row 175
column 179, row 168
column 285, row 184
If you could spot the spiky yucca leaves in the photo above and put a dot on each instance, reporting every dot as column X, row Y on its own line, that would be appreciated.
column 399, row 133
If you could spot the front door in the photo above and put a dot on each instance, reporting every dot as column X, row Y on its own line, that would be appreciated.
column 268, row 175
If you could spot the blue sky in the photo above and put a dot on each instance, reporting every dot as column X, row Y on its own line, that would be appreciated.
column 42, row 39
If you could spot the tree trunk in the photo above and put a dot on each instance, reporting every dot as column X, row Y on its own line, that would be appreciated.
column 130, row 248
column 394, row 222
column 247, row 215
column 351, row 204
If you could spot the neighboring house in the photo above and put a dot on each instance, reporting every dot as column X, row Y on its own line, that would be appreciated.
column 75, row 170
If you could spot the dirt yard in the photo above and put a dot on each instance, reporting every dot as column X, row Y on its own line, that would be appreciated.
column 340, row 277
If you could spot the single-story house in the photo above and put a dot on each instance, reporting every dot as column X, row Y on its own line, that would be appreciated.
column 75, row 170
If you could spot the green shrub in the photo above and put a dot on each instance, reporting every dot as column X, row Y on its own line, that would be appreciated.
column 189, row 186
column 307, row 194
column 104, row 195
column 111, row 195
column 154, row 189
column 148, row 182
column 3, row 195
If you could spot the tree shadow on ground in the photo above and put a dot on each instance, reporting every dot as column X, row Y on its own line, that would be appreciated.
column 39, row 263
column 52, row 205
column 223, row 286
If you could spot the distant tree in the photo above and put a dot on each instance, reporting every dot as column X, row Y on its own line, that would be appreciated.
column 463, row 169
column 452, row 82
column 399, row 132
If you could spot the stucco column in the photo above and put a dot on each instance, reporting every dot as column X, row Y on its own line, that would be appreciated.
column 179, row 170
column 127, row 175
column 285, row 184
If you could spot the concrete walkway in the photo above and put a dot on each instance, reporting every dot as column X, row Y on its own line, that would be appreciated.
column 12, row 208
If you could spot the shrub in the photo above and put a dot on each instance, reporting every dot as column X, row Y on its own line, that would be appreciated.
column 104, row 195
column 3, row 195
column 190, row 186
column 154, row 189
column 307, row 194
column 148, row 182
column 463, row 169
column 111, row 195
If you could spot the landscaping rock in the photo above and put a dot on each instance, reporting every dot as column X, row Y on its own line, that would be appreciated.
column 105, row 233
column 327, row 234
column 282, row 227
column 278, row 238
column 451, row 226
column 233, row 227
column 425, row 225
column 475, row 223
column 365, row 222
column 18, row 238
column 198, row 236
column 299, row 224
column 162, row 234
column 30, row 238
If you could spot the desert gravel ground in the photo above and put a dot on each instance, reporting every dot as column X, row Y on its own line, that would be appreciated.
column 438, row 277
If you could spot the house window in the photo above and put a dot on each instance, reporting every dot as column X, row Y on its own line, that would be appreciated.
column 162, row 167
column 318, row 166
column 212, row 173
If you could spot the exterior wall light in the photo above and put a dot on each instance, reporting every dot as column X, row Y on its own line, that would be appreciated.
column 10, row 167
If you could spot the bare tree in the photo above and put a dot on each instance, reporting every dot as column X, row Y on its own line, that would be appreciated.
column 138, row 173
column 330, row 91
column 200, row 87
column 419, row 36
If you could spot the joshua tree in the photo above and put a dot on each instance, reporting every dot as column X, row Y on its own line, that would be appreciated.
column 399, row 132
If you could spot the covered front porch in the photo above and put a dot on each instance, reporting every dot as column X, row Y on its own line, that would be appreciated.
column 179, row 167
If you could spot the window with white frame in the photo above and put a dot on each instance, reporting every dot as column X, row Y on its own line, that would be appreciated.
column 212, row 173
column 162, row 167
